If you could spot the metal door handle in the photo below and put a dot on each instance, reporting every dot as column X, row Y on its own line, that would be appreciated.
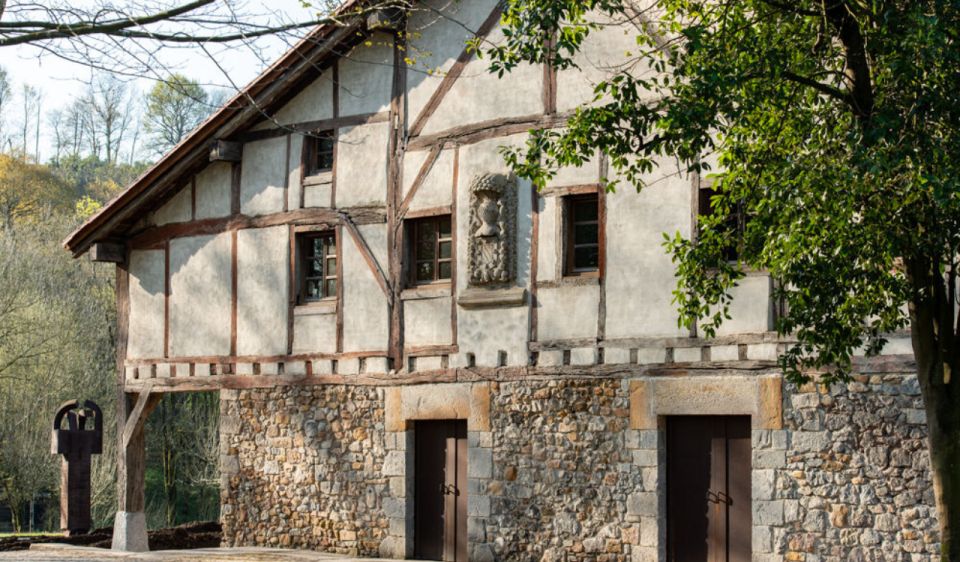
column 724, row 498
column 712, row 498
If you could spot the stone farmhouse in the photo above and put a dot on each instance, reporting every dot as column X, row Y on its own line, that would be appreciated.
column 420, row 356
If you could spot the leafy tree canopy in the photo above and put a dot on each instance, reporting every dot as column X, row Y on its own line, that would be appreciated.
column 837, row 131
column 174, row 108
column 836, row 127
column 29, row 191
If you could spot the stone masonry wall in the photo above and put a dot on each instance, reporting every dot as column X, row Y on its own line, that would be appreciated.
column 855, row 482
column 303, row 468
column 847, row 478
column 562, row 473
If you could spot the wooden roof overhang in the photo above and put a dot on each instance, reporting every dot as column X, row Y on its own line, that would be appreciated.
column 270, row 90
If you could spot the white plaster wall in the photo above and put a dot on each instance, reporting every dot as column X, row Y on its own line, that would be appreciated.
column 294, row 180
column 588, row 173
column 177, row 209
column 145, row 331
column 437, row 187
column 263, row 281
column 485, row 332
column 362, row 165
column 479, row 95
column 262, row 177
column 751, row 309
column 213, row 191
column 605, row 51
column 313, row 103
column 549, row 239
column 200, row 296
column 640, row 276
column 365, row 315
column 366, row 76
column 427, row 322
column 568, row 312
column 315, row 333
column 437, row 42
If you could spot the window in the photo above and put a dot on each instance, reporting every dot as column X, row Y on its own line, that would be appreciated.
column 319, row 152
column 582, row 217
column 735, row 222
column 430, row 249
column 317, row 266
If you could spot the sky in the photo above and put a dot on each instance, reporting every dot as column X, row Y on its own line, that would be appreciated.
column 61, row 81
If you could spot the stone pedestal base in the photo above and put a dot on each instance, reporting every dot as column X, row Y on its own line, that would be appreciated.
column 130, row 532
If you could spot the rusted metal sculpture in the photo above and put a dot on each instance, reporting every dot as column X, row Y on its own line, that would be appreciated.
column 77, row 442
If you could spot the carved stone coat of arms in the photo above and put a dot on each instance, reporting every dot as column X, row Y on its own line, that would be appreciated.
column 493, row 226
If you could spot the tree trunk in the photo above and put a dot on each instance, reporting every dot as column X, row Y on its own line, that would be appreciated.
column 934, row 348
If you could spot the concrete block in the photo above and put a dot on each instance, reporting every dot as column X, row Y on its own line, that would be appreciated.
column 762, row 484
column 651, row 355
column 376, row 365
column 616, row 355
column 394, row 464
column 686, row 354
column 768, row 512
column 349, row 366
column 769, row 459
column 243, row 368
column 583, row 356
column 642, row 503
column 270, row 368
column 724, row 353
column 551, row 358
column 431, row 363
column 478, row 506
column 762, row 352
column 296, row 368
column 645, row 457
column 480, row 463
column 762, row 540
column 130, row 532
column 649, row 531
column 163, row 370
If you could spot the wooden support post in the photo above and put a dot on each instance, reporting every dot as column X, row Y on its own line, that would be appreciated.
column 130, row 526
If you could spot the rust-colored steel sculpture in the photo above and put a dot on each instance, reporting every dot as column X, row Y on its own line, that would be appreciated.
column 77, row 442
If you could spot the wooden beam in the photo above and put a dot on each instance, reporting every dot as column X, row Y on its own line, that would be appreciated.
column 395, row 153
column 109, row 252
column 226, row 151
column 431, row 212
column 534, row 262
column 153, row 236
column 313, row 126
column 371, row 260
column 490, row 129
column 564, row 190
column 454, row 339
column 454, row 73
column 145, row 403
column 421, row 177
column 226, row 359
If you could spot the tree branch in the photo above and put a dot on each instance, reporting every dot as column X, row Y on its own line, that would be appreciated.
column 92, row 27
column 826, row 89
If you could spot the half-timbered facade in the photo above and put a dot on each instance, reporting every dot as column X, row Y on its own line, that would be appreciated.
column 419, row 355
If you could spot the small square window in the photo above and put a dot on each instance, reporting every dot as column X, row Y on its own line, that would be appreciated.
column 430, row 249
column 317, row 266
column 734, row 223
column 319, row 152
column 582, row 227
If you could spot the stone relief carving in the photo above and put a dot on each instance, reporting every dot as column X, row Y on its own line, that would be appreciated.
column 493, row 227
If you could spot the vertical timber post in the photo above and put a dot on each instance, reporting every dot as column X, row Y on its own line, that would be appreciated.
column 130, row 526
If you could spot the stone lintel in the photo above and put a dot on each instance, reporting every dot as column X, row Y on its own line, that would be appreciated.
column 757, row 396
column 443, row 401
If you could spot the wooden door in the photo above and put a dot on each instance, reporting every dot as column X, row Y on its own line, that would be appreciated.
column 708, row 489
column 440, row 490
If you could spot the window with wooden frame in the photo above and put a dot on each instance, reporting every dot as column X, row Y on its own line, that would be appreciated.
column 319, row 152
column 316, row 266
column 734, row 222
column 429, row 249
column 582, row 231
